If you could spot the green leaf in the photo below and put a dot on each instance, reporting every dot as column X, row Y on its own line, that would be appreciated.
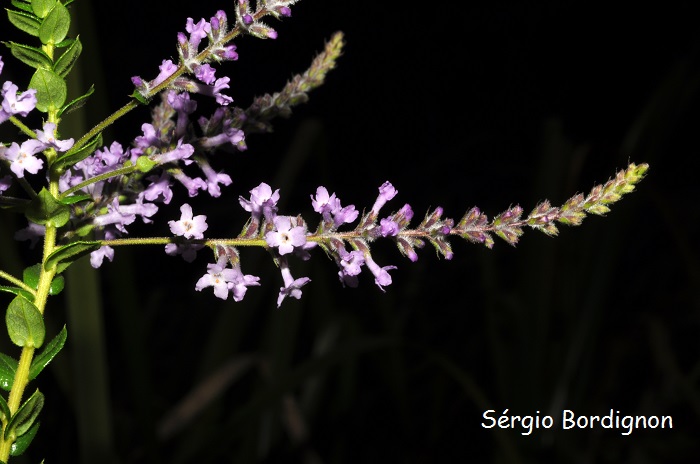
column 16, row 291
column 54, row 28
column 57, row 285
column 42, row 8
column 50, row 88
column 31, row 275
column 65, row 43
column 77, row 103
column 26, row 22
column 23, row 5
column 31, row 56
column 73, row 199
column 8, row 366
column 25, row 324
column 139, row 97
column 4, row 409
column 47, row 210
column 65, row 255
column 25, row 416
column 22, row 442
column 47, row 355
column 72, row 157
column 66, row 61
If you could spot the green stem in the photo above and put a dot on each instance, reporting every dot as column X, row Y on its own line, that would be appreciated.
column 21, row 126
column 25, row 361
column 108, row 121
column 17, row 282
column 100, row 178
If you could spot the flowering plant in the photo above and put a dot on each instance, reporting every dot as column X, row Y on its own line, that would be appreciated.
column 81, row 197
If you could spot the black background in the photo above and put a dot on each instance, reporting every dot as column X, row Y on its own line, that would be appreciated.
column 491, row 104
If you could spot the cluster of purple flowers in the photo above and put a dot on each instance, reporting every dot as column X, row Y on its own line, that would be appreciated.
column 117, row 185
column 286, row 236
column 20, row 157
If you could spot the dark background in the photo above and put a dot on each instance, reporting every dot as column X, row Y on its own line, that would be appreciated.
column 492, row 104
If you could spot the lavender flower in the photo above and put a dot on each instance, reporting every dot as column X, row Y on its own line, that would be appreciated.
column 225, row 280
column 381, row 276
column 262, row 201
column 48, row 137
column 386, row 193
column 189, row 226
column 5, row 182
column 217, row 276
column 22, row 157
column 285, row 236
column 187, row 250
column 13, row 104
column 292, row 286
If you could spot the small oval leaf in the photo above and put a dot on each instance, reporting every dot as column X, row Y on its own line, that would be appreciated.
column 31, row 56
column 25, row 416
column 47, row 210
column 8, row 366
column 50, row 88
column 4, row 410
column 66, row 254
column 23, row 441
column 54, row 28
column 57, row 285
column 25, row 324
column 25, row 22
column 42, row 8
column 66, row 61
column 31, row 275
column 46, row 356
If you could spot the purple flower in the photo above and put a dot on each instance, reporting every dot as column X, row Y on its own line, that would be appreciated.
column 181, row 152
column 224, row 280
column 187, row 250
column 329, row 205
column 193, row 185
column 350, row 266
column 220, row 85
column 167, row 68
column 241, row 283
column 197, row 31
column 285, row 236
column 217, row 276
column 386, row 193
column 227, row 53
column 262, row 201
column 145, row 210
column 33, row 232
column 381, row 276
column 48, row 136
column 325, row 204
column 188, row 226
column 97, row 257
column 159, row 187
column 292, row 286
column 22, row 157
column 116, row 216
column 205, row 73
column 12, row 104
column 149, row 138
column 214, row 179
column 5, row 182
column 388, row 228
